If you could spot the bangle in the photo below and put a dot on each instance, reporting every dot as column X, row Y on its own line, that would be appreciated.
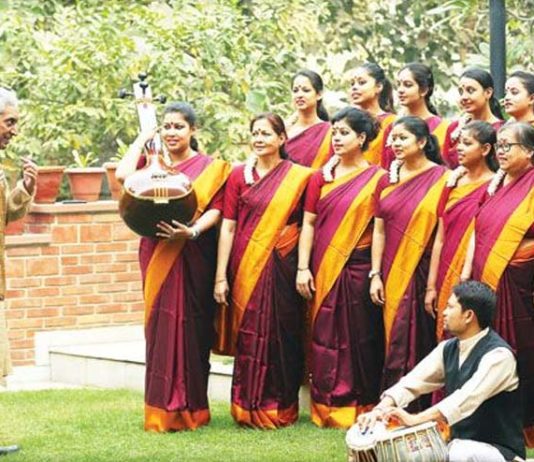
column 196, row 232
column 220, row 280
column 303, row 269
column 374, row 273
column 430, row 289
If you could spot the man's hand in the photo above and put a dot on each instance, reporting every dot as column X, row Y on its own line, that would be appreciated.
column 29, row 174
column 404, row 417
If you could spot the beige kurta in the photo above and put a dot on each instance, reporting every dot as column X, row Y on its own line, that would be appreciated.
column 13, row 205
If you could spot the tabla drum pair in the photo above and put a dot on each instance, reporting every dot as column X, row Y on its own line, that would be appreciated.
column 420, row 443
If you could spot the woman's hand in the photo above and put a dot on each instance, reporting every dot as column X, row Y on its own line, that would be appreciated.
column 175, row 231
column 305, row 284
column 221, row 291
column 145, row 136
column 431, row 298
column 377, row 290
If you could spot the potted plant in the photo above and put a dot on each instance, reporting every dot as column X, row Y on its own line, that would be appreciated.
column 85, row 180
column 48, row 183
column 115, row 187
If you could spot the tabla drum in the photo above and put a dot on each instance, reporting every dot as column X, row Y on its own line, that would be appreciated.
column 420, row 443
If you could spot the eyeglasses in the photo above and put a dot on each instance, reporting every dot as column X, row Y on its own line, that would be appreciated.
column 505, row 147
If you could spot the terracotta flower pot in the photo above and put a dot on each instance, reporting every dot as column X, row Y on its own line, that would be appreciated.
column 48, row 183
column 85, row 183
column 115, row 187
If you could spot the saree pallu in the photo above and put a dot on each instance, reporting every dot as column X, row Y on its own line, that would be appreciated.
column 436, row 125
column 347, row 339
column 409, row 211
column 504, row 259
column 373, row 154
column 312, row 147
column 178, row 278
column 267, row 312
column 463, row 203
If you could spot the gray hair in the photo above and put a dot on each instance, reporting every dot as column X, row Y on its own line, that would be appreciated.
column 7, row 98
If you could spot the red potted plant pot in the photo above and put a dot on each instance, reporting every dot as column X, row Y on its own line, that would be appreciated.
column 85, row 183
column 115, row 187
column 48, row 183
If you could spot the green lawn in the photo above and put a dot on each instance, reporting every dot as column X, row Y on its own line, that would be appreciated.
column 106, row 425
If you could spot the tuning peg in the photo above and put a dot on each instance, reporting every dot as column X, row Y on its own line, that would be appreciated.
column 123, row 93
column 161, row 98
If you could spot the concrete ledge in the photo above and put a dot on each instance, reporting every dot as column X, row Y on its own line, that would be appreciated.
column 47, row 340
column 24, row 240
column 66, row 207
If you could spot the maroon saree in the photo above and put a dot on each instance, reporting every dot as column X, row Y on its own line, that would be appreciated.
column 460, row 205
column 178, row 279
column 409, row 211
column 347, row 341
column 311, row 147
column 267, row 312
column 504, row 259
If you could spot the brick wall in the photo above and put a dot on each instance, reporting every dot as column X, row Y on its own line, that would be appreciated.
column 74, row 267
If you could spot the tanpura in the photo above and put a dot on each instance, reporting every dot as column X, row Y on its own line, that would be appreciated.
column 156, row 192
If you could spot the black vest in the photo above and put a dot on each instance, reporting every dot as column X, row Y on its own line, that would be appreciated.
column 498, row 420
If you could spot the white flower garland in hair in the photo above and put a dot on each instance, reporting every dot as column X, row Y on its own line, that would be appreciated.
column 462, row 122
column 394, row 170
column 455, row 175
column 496, row 181
column 249, row 169
column 328, row 168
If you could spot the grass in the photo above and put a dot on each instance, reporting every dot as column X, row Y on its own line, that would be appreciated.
column 106, row 425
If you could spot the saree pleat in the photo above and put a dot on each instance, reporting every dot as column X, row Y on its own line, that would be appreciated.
column 347, row 348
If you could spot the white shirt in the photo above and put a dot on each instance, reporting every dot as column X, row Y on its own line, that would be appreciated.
column 496, row 372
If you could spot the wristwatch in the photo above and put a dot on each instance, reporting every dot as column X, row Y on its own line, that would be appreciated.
column 374, row 273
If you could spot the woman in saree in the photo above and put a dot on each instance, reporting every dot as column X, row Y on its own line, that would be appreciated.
column 415, row 86
column 503, row 253
column 405, row 220
column 478, row 102
column 255, row 279
column 334, row 260
column 371, row 91
column 178, row 270
column 459, row 203
column 310, row 137
column 519, row 97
